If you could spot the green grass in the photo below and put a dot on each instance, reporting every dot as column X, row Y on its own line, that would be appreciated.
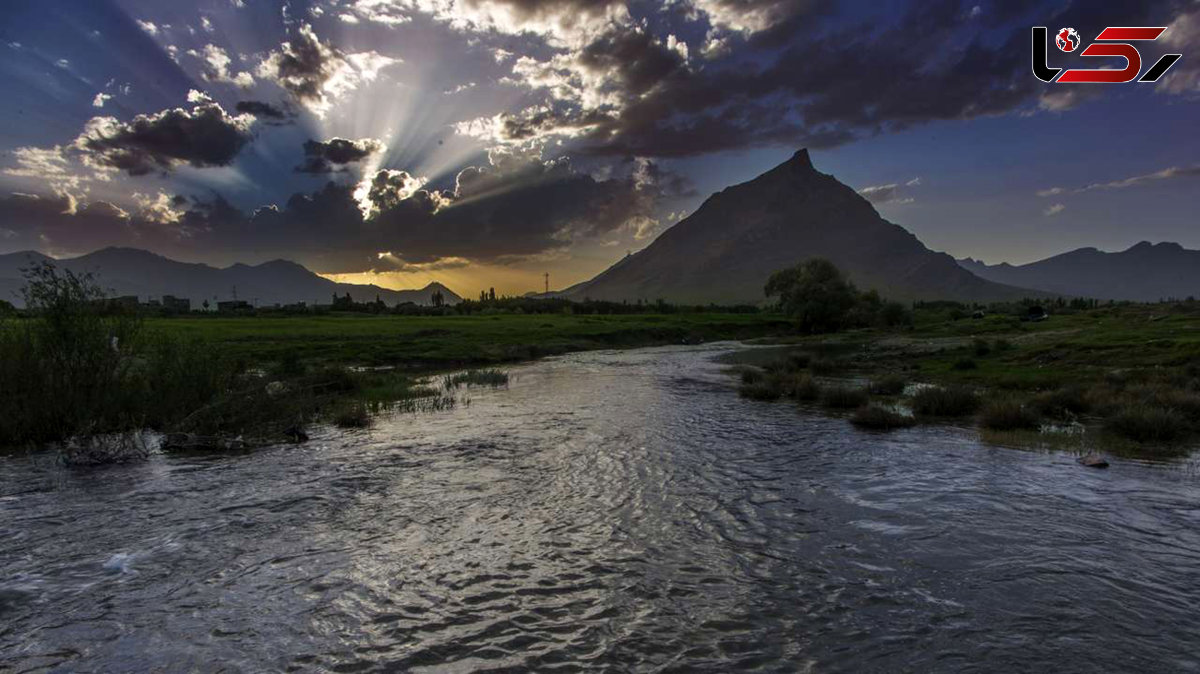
column 444, row 342
column 488, row 377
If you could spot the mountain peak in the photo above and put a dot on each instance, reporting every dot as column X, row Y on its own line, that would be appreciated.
column 801, row 160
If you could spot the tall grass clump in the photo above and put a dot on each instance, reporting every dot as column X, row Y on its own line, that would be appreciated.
column 1062, row 403
column 490, row 377
column 879, row 418
column 77, row 366
column 762, row 387
column 1147, row 423
column 843, row 397
column 1009, row 415
column 887, row 385
column 951, row 401
column 804, row 388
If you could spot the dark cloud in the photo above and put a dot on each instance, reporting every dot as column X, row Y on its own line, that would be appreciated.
column 203, row 136
column 303, row 64
column 333, row 155
column 799, row 73
column 265, row 112
column 515, row 207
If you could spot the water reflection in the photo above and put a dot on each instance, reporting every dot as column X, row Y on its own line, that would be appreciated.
column 608, row 511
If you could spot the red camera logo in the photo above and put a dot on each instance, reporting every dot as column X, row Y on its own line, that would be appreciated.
column 1110, row 42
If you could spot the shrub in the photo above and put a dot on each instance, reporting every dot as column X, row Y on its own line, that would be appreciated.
column 875, row 417
column 888, row 385
column 965, row 364
column 953, row 401
column 1009, row 415
column 843, row 397
column 1001, row 345
column 1147, row 423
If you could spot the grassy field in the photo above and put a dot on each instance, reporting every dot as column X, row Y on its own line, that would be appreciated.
column 437, row 342
column 1128, row 375
column 1003, row 352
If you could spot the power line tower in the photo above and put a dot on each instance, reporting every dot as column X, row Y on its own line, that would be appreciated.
column 547, row 277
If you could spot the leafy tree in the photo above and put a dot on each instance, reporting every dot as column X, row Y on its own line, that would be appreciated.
column 815, row 293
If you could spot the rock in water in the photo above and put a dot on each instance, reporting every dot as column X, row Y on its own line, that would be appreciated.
column 1093, row 460
column 296, row 435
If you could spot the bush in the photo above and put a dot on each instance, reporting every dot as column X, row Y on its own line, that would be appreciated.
column 79, row 367
column 888, row 385
column 1147, row 423
column 875, row 417
column 843, row 397
column 1009, row 415
column 1001, row 345
column 953, row 401
column 965, row 364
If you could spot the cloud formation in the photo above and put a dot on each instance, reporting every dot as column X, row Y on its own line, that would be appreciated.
column 517, row 207
column 314, row 72
column 892, row 193
column 203, row 136
column 1169, row 173
column 333, row 154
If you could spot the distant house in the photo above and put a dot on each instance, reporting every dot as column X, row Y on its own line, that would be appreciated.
column 125, row 302
column 181, row 305
column 230, row 306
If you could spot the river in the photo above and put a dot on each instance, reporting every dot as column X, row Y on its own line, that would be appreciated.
column 608, row 511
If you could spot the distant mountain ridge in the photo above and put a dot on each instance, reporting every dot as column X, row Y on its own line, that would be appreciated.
column 725, row 251
column 1145, row 272
column 131, row 271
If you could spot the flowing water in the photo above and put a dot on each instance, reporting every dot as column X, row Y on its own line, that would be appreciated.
column 609, row 511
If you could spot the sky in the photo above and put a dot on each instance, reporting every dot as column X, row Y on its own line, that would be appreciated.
column 485, row 143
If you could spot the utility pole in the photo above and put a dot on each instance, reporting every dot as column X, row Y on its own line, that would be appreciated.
column 547, row 275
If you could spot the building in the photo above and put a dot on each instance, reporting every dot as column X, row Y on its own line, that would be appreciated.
column 176, row 304
column 233, row 305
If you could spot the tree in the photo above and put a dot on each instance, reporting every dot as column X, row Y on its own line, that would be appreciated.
column 815, row 293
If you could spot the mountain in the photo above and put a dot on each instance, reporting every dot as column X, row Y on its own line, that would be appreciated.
column 1145, row 272
column 129, row 271
column 725, row 251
